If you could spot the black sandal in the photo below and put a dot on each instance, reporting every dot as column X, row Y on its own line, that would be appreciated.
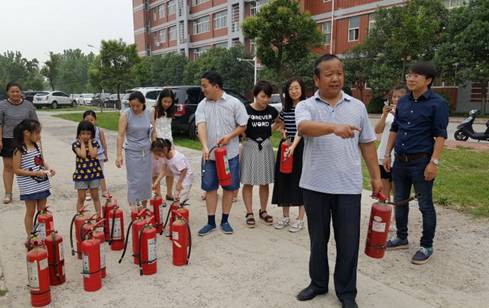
column 250, row 220
column 265, row 217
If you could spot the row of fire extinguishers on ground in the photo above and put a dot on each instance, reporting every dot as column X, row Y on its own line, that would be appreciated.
column 45, row 259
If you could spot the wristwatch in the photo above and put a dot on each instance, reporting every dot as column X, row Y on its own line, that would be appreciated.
column 436, row 162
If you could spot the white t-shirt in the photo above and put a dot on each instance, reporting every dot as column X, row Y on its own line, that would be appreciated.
column 383, row 140
column 163, row 127
column 178, row 163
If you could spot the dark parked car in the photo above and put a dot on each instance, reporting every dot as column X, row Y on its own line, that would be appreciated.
column 99, row 98
column 187, row 99
column 29, row 95
column 113, row 102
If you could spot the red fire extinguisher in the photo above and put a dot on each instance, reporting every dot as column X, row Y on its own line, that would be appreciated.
column 378, row 228
column 116, row 226
column 286, row 163
column 92, row 276
column 38, row 275
column 158, row 207
column 137, row 223
column 77, row 222
column 44, row 223
column 106, row 208
column 222, row 166
column 56, row 260
column 182, row 241
column 147, row 249
column 98, row 233
column 179, row 212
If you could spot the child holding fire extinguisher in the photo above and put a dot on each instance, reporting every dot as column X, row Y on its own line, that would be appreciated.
column 88, row 171
column 31, row 170
column 177, row 164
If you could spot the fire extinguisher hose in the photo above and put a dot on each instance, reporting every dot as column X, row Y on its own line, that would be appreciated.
column 71, row 234
column 127, row 240
column 140, row 252
column 189, row 242
column 166, row 220
column 34, row 228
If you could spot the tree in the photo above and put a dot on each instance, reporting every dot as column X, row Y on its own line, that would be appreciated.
column 464, row 55
column 168, row 69
column 402, row 35
column 116, row 69
column 14, row 67
column 283, row 35
column 237, row 75
column 51, row 69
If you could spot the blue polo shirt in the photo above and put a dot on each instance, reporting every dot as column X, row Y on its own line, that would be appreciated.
column 418, row 121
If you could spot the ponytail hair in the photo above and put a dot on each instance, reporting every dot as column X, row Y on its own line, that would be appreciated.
column 29, row 125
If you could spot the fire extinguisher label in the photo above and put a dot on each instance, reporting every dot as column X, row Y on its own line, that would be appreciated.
column 33, row 275
column 152, row 250
column 378, row 225
column 42, row 230
column 174, row 235
column 117, row 235
column 85, row 266
column 43, row 264
column 61, row 251
column 226, row 165
column 102, row 255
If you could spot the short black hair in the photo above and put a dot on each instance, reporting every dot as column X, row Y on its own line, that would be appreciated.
column 288, row 103
column 323, row 58
column 12, row 84
column 85, row 126
column 136, row 95
column 263, row 85
column 214, row 78
column 426, row 69
column 89, row 113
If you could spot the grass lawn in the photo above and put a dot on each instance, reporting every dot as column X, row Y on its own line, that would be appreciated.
column 77, row 108
column 462, row 182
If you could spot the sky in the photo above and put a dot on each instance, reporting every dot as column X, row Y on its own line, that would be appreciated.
column 36, row 27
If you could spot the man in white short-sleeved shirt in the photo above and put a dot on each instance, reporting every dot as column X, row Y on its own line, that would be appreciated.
column 220, row 119
column 336, row 134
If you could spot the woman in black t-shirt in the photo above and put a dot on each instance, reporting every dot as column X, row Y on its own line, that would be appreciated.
column 256, row 158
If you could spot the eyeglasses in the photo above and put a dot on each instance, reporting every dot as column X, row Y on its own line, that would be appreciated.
column 413, row 76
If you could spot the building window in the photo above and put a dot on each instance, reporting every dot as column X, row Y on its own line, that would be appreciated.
column 235, row 18
column 221, row 45
column 221, row 20
column 353, row 28
column 161, row 11
column 326, row 29
column 172, row 7
column 235, row 42
column 453, row 3
column 197, row 2
column 253, row 8
column 162, row 36
column 172, row 33
column 181, row 32
column 198, row 52
column 201, row 25
column 371, row 22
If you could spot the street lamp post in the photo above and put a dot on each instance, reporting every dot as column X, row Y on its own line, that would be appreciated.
column 253, row 62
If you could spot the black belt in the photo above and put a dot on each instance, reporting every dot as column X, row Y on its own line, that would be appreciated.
column 259, row 141
column 406, row 158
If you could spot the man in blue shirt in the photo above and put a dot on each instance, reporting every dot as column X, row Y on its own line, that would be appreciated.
column 417, row 135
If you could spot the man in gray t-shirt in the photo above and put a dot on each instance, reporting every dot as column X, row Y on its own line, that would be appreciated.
column 336, row 134
column 220, row 119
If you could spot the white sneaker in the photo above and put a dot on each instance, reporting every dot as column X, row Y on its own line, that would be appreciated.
column 297, row 226
column 282, row 223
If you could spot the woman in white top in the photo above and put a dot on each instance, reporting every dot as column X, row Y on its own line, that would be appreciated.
column 163, row 113
column 383, row 127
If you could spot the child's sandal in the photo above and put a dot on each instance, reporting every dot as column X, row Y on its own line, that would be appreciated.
column 250, row 220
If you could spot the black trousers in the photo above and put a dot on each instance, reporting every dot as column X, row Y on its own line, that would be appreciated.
column 345, row 212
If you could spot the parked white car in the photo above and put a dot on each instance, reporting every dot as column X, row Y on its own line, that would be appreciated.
column 276, row 102
column 53, row 99
column 150, row 93
column 85, row 99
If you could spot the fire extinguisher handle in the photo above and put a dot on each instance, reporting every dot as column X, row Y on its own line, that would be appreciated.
column 380, row 196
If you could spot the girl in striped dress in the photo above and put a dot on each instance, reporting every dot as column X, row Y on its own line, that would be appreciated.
column 286, row 191
column 31, row 170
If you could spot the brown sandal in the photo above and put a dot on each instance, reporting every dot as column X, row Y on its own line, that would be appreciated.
column 265, row 217
column 250, row 220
